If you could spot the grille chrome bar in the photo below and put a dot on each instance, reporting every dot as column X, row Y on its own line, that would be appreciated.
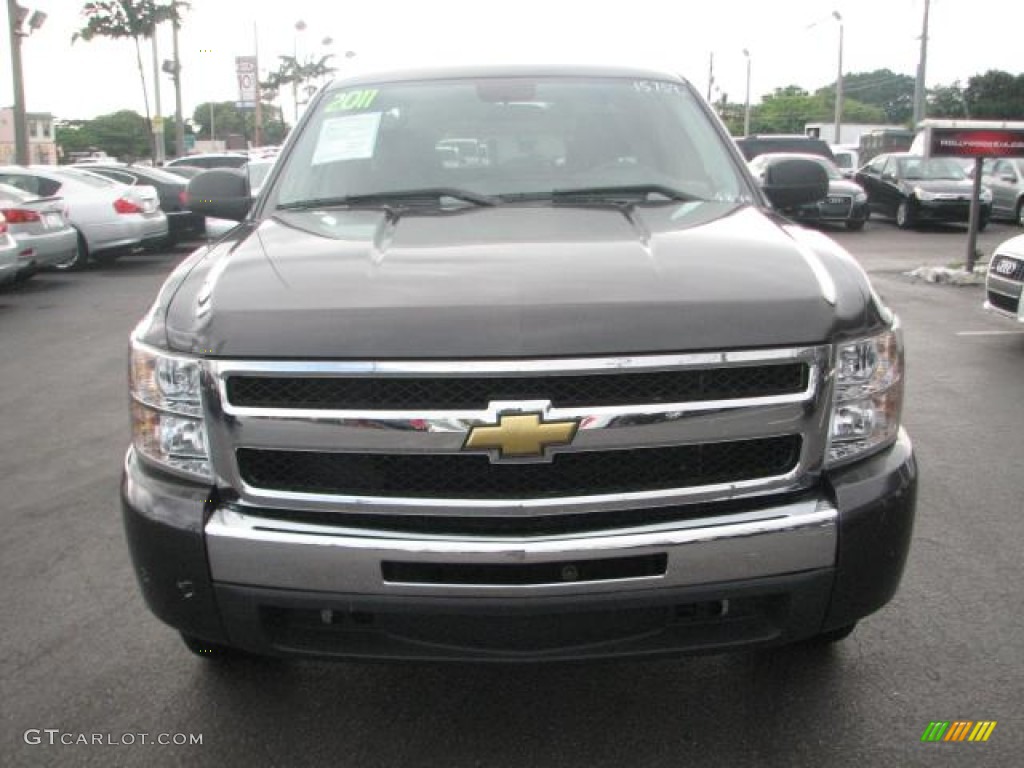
column 435, row 432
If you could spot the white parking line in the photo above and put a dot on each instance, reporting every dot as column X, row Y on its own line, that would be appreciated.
column 990, row 333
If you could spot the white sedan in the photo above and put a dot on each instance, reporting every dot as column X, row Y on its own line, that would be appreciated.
column 111, row 218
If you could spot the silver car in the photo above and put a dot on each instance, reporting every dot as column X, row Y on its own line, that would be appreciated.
column 1005, row 177
column 39, row 226
column 8, row 254
column 111, row 218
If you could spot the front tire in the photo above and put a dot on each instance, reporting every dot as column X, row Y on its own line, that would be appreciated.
column 904, row 216
column 855, row 224
column 1020, row 212
column 78, row 261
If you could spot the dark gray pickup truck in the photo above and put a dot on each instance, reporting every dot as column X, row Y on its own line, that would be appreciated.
column 517, row 365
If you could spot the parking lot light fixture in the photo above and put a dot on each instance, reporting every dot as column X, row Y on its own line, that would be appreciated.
column 839, row 80
column 17, row 17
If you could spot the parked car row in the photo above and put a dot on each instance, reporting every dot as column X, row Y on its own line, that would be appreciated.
column 182, row 223
column 63, row 217
column 909, row 188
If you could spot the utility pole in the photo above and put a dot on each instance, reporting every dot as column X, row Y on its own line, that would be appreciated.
column 159, row 153
column 258, row 113
column 179, row 122
column 919, row 87
column 839, row 81
column 15, row 16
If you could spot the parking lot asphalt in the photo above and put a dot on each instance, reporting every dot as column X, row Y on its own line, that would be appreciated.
column 80, row 654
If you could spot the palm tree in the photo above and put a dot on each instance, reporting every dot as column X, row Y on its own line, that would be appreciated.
column 135, row 19
column 293, row 72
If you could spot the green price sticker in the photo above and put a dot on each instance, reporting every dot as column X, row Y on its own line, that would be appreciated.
column 352, row 100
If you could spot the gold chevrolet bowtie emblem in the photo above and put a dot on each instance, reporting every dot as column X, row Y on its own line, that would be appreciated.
column 521, row 435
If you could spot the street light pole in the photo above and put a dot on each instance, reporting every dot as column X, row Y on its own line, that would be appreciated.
column 919, row 86
column 746, row 107
column 839, row 80
column 15, row 17
column 179, row 122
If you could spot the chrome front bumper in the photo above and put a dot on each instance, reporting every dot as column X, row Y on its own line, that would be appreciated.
column 262, row 552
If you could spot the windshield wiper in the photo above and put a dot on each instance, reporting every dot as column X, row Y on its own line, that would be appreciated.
column 630, row 194
column 384, row 199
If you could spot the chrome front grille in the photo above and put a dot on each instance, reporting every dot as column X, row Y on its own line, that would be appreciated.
column 466, row 393
column 653, row 431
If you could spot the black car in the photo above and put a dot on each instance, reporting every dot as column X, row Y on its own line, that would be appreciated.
column 182, row 223
column 846, row 202
column 912, row 189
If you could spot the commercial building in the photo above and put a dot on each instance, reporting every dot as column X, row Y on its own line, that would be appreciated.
column 42, row 143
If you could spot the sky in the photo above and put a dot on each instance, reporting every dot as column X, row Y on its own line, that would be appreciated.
column 791, row 42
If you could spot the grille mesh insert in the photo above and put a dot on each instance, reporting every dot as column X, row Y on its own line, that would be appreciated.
column 470, row 476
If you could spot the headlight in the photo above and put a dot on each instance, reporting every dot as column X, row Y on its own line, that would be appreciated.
column 860, row 197
column 923, row 194
column 868, row 398
column 167, row 423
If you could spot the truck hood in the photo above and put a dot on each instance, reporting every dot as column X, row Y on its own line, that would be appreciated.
column 512, row 281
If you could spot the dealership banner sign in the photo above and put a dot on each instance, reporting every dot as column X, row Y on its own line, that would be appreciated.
column 975, row 142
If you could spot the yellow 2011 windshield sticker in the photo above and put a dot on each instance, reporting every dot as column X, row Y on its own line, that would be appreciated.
column 350, row 101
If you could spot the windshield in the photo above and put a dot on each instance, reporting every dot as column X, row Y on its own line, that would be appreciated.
column 258, row 171
column 504, row 139
column 912, row 168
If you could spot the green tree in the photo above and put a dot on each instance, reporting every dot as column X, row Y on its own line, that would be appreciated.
column 891, row 93
column 129, row 19
column 995, row 95
column 123, row 135
column 947, row 101
column 229, row 119
column 785, row 110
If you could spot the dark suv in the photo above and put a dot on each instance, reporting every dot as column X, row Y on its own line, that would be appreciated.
column 763, row 144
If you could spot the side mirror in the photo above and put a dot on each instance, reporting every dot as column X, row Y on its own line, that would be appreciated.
column 222, row 193
column 790, row 183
